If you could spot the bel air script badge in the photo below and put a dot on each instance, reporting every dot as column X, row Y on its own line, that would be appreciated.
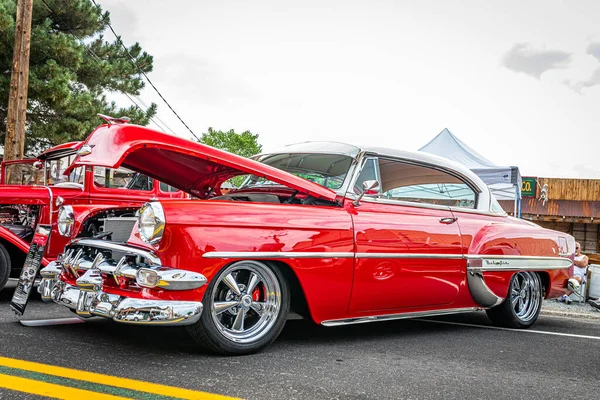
column 496, row 262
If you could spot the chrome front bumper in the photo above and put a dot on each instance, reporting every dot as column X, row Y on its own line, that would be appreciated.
column 122, row 309
column 87, row 297
column 119, row 308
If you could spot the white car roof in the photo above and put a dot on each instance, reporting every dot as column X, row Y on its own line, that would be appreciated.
column 354, row 151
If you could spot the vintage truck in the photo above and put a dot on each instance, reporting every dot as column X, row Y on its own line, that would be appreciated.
column 35, row 191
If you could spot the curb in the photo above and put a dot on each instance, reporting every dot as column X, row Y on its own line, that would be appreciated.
column 557, row 313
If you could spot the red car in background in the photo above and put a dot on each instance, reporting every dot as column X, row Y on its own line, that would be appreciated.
column 36, row 191
column 340, row 234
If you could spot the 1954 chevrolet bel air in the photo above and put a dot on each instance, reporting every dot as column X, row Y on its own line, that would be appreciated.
column 337, row 233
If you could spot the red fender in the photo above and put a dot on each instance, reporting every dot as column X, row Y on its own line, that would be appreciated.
column 19, row 243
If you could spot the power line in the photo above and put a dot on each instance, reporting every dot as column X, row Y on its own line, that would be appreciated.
column 146, row 76
column 97, row 59
column 156, row 116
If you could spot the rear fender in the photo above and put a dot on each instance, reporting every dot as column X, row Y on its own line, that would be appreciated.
column 498, row 251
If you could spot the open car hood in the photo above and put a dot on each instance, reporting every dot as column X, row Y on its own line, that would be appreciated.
column 190, row 166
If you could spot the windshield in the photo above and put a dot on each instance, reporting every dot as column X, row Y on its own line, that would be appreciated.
column 328, row 170
column 26, row 173
column 55, row 170
column 23, row 174
column 121, row 178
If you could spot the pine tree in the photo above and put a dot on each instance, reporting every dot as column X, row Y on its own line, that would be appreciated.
column 72, row 69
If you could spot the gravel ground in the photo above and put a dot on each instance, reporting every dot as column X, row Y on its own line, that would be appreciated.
column 580, row 310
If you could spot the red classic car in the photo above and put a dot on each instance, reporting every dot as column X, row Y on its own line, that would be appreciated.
column 36, row 191
column 337, row 233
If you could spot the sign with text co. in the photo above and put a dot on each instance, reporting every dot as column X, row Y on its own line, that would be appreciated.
column 528, row 187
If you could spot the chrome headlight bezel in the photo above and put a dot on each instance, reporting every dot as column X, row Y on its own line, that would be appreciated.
column 65, row 221
column 151, row 222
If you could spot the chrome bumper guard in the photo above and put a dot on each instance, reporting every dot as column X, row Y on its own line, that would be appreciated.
column 87, row 298
column 124, row 309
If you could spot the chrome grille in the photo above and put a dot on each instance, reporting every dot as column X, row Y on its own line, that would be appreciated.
column 92, row 262
column 120, row 228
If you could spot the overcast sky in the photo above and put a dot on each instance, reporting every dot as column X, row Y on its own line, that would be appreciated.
column 518, row 81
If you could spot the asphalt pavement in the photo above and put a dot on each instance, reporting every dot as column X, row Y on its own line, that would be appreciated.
column 455, row 357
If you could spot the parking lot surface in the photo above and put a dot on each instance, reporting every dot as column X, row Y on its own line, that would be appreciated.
column 454, row 357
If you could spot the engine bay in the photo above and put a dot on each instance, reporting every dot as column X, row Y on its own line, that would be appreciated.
column 20, row 219
column 282, row 196
column 114, row 224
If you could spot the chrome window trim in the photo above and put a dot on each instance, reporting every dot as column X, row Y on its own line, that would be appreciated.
column 405, row 203
column 476, row 211
column 478, row 191
column 390, row 317
column 361, row 164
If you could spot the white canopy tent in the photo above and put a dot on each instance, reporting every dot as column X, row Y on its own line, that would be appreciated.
column 504, row 182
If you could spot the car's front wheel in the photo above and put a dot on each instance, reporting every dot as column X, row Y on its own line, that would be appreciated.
column 522, row 305
column 5, row 265
column 245, row 308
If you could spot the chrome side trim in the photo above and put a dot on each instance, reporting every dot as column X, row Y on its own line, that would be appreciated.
column 409, row 255
column 390, row 317
column 516, row 263
column 288, row 254
column 487, row 263
column 275, row 254
column 129, row 250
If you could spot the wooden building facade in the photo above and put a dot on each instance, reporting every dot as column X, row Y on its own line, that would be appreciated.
column 567, row 205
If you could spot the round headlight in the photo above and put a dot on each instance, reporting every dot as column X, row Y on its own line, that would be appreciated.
column 66, row 220
column 151, row 222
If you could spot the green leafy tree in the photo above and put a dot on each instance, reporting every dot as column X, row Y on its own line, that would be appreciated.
column 72, row 69
column 243, row 144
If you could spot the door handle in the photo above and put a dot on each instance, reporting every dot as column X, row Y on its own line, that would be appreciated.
column 448, row 220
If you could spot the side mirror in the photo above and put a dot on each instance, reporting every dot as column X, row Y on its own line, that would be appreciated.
column 38, row 165
column 368, row 187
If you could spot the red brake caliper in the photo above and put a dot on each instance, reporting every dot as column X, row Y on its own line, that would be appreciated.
column 256, row 294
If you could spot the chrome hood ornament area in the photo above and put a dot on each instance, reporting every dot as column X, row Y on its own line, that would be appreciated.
column 114, row 120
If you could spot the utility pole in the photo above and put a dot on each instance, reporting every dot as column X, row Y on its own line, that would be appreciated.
column 14, row 145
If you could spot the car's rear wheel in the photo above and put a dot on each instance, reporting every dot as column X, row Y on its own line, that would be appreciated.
column 245, row 308
column 5, row 266
column 523, row 303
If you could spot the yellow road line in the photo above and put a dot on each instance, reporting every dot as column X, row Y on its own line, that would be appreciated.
column 50, row 389
column 124, row 383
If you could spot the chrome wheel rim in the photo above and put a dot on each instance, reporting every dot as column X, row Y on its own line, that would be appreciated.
column 246, row 301
column 525, row 295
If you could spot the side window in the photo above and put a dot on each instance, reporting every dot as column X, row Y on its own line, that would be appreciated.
column 367, row 173
column 167, row 188
column 121, row 178
column 419, row 184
